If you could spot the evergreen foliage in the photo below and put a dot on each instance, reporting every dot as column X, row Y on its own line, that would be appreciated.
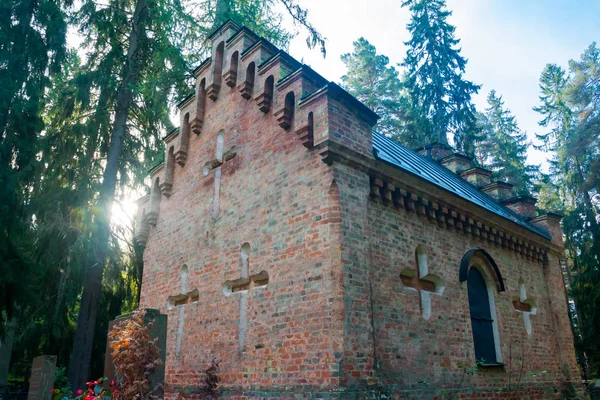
column 503, row 146
column 569, row 106
column 439, row 93
column 374, row 82
column 32, row 48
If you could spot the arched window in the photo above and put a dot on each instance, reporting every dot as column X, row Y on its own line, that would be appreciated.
column 167, row 184
column 218, row 65
column 285, row 117
column 269, row 82
column 266, row 97
column 306, row 133
column 231, row 74
column 184, row 140
column 247, row 87
column 196, row 126
column 217, row 72
column 185, row 132
column 155, row 197
column 483, row 280
column 482, row 321
column 141, row 225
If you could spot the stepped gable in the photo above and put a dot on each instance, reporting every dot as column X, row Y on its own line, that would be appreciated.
column 262, row 73
column 291, row 91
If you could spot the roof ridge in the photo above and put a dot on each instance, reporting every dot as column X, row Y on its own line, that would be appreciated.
column 446, row 179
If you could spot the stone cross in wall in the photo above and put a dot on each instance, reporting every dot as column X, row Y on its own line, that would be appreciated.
column 423, row 282
column 215, row 165
column 242, row 286
column 525, row 306
column 180, row 300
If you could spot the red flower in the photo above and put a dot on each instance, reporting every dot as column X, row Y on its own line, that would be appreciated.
column 52, row 391
column 95, row 383
column 112, row 383
column 79, row 392
column 89, row 383
column 115, row 391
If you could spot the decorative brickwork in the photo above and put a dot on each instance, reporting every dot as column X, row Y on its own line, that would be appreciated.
column 230, row 76
column 305, row 250
column 499, row 190
column 522, row 205
column 196, row 125
column 457, row 162
column 478, row 177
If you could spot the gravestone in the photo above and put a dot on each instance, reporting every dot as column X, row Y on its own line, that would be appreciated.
column 158, row 330
column 42, row 378
column 6, row 344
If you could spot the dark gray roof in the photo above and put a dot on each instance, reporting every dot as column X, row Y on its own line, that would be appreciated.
column 410, row 161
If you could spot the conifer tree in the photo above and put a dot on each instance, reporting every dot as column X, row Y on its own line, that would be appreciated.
column 374, row 82
column 570, row 110
column 32, row 44
column 32, row 48
column 503, row 147
column 439, row 93
column 261, row 17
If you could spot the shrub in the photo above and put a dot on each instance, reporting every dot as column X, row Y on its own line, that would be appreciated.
column 209, row 389
column 135, row 356
column 95, row 391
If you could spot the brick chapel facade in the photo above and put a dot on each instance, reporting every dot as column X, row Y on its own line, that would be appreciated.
column 318, row 259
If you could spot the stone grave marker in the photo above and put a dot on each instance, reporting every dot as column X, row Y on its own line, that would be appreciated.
column 5, row 351
column 42, row 378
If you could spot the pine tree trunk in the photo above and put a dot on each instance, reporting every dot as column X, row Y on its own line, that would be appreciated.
column 86, row 324
column 570, row 279
column 590, row 214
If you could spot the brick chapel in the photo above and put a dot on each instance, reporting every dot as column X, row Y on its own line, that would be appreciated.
column 317, row 258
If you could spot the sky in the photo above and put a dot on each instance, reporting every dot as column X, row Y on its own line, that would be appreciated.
column 507, row 43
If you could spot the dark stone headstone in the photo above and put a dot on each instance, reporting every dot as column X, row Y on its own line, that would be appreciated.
column 158, row 330
column 6, row 345
column 42, row 378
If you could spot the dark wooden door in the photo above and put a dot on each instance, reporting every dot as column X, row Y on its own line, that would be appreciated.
column 481, row 318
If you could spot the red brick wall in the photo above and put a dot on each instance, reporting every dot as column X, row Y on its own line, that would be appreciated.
column 410, row 349
column 275, row 196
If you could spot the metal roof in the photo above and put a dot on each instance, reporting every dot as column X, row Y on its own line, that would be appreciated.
column 409, row 160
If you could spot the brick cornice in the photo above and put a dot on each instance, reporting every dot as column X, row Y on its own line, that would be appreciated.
column 203, row 65
column 171, row 135
column 403, row 191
